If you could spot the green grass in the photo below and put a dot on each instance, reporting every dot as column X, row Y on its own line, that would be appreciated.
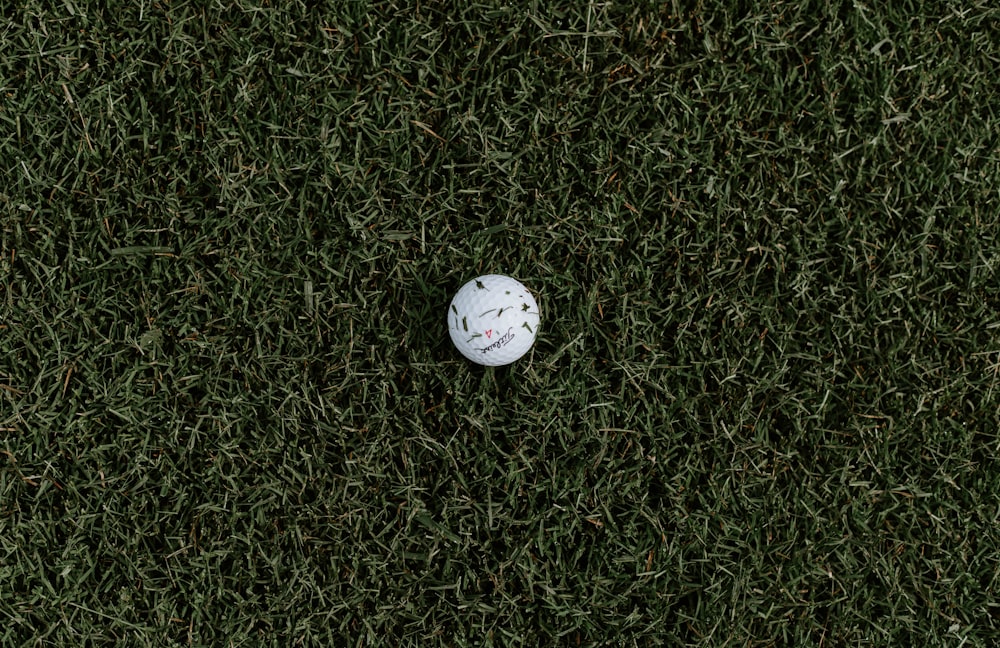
column 762, row 410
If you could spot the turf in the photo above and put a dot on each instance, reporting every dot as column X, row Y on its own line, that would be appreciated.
column 762, row 410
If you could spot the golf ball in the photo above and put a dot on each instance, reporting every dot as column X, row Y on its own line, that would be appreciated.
column 493, row 320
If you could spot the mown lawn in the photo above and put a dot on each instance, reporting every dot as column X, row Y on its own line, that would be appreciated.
column 762, row 409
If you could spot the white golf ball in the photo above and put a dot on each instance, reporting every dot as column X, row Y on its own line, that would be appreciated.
column 493, row 320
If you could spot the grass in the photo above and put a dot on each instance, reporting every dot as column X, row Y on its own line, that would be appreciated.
column 762, row 410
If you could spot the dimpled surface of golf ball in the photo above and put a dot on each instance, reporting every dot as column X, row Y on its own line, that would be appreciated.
column 493, row 320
